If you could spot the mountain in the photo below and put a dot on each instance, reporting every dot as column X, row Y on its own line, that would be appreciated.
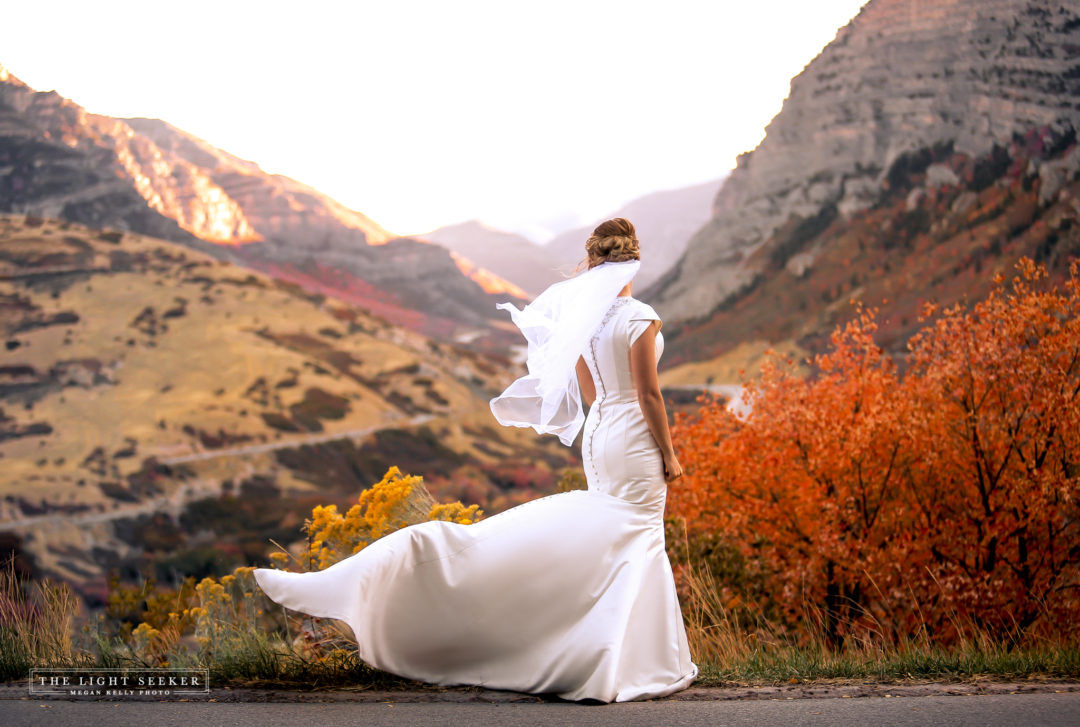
column 664, row 222
column 927, row 146
column 512, row 257
column 162, row 409
column 56, row 160
column 905, row 79
column 143, row 175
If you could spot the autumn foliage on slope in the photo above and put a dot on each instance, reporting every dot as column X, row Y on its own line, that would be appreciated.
column 914, row 503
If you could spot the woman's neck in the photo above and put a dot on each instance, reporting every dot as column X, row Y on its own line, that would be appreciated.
column 628, row 289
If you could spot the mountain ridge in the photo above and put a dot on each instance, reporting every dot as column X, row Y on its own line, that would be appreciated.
column 144, row 175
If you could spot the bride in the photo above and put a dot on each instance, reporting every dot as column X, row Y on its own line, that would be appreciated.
column 571, row 594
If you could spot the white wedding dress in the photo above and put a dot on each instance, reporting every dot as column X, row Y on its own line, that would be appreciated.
column 571, row 594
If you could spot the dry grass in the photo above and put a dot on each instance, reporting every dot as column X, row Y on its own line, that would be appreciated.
column 732, row 646
column 174, row 353
column 35, row 625
column 239, row 345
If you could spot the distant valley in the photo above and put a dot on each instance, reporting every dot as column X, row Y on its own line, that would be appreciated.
column 665, row 221
column 508, row 255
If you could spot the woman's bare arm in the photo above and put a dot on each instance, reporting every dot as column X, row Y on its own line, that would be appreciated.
column 647, row 383
column 585, row 382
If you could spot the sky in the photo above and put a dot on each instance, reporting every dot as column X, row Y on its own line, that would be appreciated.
column 534, row 117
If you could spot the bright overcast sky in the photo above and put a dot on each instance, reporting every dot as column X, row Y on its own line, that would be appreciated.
column 528, row 115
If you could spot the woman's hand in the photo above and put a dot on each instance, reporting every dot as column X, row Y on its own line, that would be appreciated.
column 672, row 469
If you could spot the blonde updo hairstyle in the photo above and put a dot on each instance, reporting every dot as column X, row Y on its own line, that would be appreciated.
column 613, row 241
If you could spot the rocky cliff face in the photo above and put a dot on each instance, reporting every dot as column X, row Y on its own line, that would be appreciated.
column 905, row 83
column 56, row 160
column 278, row 210
column 143, row 175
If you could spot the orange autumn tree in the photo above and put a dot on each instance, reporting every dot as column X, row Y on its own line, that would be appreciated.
column 808, row 482
column 994, row 495
column 875, row 501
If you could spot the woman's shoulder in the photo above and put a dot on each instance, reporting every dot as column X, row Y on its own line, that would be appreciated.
column 639, row 311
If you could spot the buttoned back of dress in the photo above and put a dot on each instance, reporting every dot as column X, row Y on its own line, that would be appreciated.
column 619, row 453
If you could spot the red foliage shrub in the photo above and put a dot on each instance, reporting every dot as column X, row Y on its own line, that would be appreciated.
column 921, row 502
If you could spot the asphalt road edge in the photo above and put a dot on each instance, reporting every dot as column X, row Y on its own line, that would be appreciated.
column 808, row 690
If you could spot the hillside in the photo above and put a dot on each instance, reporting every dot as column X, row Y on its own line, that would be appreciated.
column 142, row 379
column 145, row 176
column 927, row 242
column 929, row 142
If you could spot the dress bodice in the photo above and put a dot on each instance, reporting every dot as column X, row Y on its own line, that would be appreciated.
column 620, row 456
column 608, row 352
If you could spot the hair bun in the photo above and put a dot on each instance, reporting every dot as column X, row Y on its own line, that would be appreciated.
column 612, row 241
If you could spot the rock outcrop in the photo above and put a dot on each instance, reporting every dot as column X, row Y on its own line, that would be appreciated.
column 57, row 160
column 905, row 83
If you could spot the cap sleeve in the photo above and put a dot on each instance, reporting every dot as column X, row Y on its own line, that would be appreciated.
column 641, row 316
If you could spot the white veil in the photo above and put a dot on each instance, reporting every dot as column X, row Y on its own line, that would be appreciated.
column 558, row 326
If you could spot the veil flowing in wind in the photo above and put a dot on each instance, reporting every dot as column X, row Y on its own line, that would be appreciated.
column 557, row 326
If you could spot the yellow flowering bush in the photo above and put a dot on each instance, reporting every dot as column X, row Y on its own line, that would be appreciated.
column 148, row 641
column 206, row 614
column 455, row 512
column 392, row 503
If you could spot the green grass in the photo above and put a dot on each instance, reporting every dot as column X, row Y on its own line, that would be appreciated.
column 808, row 664
column 760, row 669
column 266, row 661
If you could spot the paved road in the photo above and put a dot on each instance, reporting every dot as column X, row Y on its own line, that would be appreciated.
column 1008, row 710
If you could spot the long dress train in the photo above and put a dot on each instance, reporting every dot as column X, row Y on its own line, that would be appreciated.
column 570, row 594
